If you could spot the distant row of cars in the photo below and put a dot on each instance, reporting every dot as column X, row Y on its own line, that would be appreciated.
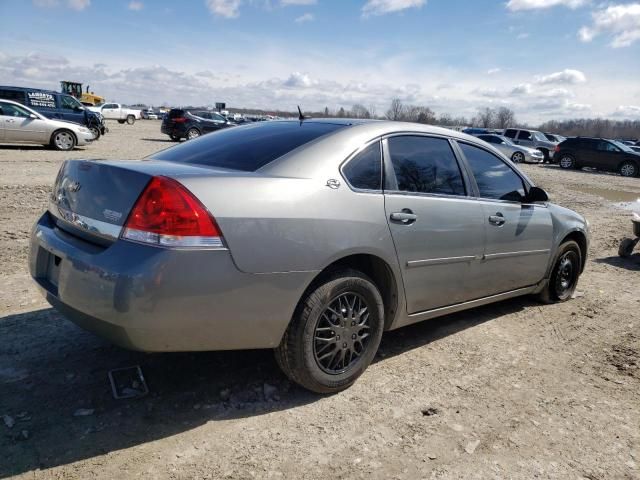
column 523, row 145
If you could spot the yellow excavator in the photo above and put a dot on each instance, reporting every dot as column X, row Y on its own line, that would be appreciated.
column 75, row 89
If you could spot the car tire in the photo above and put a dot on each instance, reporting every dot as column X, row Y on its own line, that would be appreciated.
column 628, row 169
column 95, row 131
column 63, row 140
column 565, row 273
column 131, row 119
column 312, row 352
column 193, row 133
column 121, row 122
column 518, row 157
column 567, row 162
column 174, row 138
column 626, row 247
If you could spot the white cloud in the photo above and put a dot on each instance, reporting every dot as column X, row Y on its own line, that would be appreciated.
column 628, row 111
column 286, row 3
column 567, row 76
column 299, row 80
column 224, row 8
column 620, row 21
column 381, row 7
column 78, row 5
column 493, row 71
column 522, row 89
column 307, row 17
column 517, row 5
column 135, row 6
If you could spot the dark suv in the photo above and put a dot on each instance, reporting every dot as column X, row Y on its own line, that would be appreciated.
column 179, row 123
column 599, row 153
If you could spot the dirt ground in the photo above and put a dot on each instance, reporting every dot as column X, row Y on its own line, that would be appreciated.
column 511, row 390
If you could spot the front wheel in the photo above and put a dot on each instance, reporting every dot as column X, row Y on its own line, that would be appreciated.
column 334, row 334
column 628, row 169
column 567, row 162
column 63, row 140
column 131, row 119
column 517, row 157
column 626, row 247
column 564, row 275
column 95, row 131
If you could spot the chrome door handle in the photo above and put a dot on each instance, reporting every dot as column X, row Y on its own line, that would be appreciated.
column 497, row 219
column 406, row 216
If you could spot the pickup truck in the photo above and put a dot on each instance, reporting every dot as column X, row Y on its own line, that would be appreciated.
column 115, row 111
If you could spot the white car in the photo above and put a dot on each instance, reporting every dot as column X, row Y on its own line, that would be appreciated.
column 115, row 111
column 20, row 124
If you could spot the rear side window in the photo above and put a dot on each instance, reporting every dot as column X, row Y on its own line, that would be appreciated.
column 510, row 133
column 425, row 165
column 15, row 95
column 247, row 148
column 495, row 178
column 364, row 171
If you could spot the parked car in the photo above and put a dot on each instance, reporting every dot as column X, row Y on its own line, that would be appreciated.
column 56, row 106
column 20, row 124
column 598, row 153
column 115, row 111
column 552, row 137
column 288, row 235
column 477, row 131
column 532, row 139
column 190, row 124
column 517, row 153
column 149, row 114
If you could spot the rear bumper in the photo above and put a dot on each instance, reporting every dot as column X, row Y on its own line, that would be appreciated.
column 153, row 299
column 177, row 130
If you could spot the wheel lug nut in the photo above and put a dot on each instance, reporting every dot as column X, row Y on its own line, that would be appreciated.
column 353, row 336
column 337, row 337
column 344, row 345
column 353, row 324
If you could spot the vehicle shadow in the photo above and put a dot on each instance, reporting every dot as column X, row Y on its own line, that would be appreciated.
column 13, row 146
column 585, row 170
column 50, row 369
column 161, row 140
column 630, row 263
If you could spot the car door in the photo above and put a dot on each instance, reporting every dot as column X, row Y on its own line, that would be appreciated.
column 20, row 127
column 518, row 235
column 437, row 228
column 71, row 110
column 608, row 155
column 110, row 111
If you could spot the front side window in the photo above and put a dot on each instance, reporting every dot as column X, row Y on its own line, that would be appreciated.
column 425, row 165
column 364, row 171
column 510, row 133
column 524, row 135
column 69, row 103
column 605, row 146
column 495, row 179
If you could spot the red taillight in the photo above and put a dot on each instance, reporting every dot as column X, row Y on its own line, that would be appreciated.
column 557, row 149
column 168, row 214
column 179, row 119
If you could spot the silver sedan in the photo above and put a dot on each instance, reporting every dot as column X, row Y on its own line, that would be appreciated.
column 311, row 237
column 517, row 153
column 20, row 124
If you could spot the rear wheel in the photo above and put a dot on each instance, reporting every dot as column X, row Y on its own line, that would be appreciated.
column 517, row 157
column 131, row 119
column 63, row 140
column 628, row 169
column 567, row 162
column 121, row 122
column 334, row 334
column 564, row 275
column 626, row 247
column 193, row 133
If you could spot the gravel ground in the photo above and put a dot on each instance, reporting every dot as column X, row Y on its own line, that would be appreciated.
column 511, row 390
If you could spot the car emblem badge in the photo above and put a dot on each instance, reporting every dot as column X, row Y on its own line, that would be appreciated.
column 333, row 183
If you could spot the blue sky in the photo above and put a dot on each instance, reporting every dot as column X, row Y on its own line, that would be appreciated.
column 543, row 58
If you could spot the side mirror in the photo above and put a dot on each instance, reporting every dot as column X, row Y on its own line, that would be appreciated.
column 536, row 194
column 33, row 116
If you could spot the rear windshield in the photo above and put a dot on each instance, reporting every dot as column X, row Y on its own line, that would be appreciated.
column 175, row 113
column 246, row 148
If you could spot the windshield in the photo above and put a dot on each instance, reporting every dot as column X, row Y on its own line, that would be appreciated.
column 505, row 140
column 622, row 146
column 540, row 137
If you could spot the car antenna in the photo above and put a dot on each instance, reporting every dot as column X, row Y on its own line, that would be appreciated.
column 301, row 117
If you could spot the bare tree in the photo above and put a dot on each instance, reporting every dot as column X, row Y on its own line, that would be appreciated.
column 485, row 117
column 396, row 110
column 372, row 110
column 505, row 117
column 326, row 111
column 341, row 112
column 359, row 111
